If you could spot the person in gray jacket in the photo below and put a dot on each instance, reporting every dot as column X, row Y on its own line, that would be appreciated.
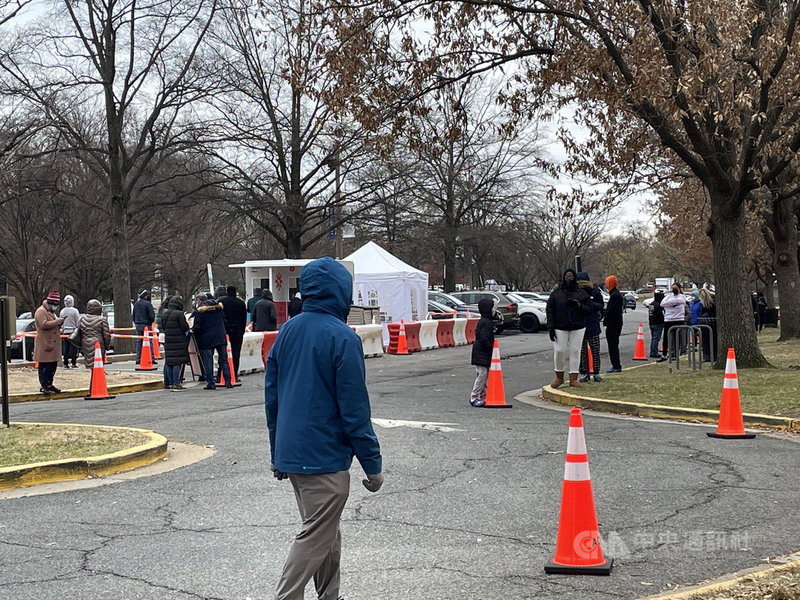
column 71, row 318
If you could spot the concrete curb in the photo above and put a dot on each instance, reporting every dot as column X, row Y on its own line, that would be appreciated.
column 79, row 468
column 122, row 388
column 742, row 576
column 657, row 411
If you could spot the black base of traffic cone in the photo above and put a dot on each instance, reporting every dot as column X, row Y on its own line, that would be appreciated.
column 556, row 569
column 727, row 436
column 99, row 398
column 498, row 406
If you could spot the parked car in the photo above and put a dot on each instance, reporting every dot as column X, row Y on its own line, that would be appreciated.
column 532, row 313
column 505, row 310
column 630, row 299
column 439, row 311
column 15, row 350
column 534, row 296
column 452, row 303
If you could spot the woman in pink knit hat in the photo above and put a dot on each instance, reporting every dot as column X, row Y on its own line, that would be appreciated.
column 47, row 345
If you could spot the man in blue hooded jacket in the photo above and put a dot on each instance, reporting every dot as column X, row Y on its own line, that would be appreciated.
column 318, row 415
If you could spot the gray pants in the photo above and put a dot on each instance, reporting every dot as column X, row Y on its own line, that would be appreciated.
column 481, row 381
column 317, row 549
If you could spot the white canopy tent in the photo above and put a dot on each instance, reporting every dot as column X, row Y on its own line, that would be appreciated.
column 381, row 279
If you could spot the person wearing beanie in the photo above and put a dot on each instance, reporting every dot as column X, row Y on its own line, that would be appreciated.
column 695, row 308
column 567, row 309
column 235, row 311
column 71, row 316
column 143, row 316
column 613, row 323
column 674, row 305
column 656, row 322
column 47, row 345
column 591, row 335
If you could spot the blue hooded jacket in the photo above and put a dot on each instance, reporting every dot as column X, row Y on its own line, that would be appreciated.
column 315, row 391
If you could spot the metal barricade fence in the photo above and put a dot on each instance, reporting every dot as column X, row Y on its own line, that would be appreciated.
column 694, row 345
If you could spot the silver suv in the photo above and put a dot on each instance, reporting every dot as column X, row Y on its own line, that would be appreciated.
column 505, row 309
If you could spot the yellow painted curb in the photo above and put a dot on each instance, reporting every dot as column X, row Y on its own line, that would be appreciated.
column 79, row 468
column 748, row 575
column 658, row 411
column 121, row 388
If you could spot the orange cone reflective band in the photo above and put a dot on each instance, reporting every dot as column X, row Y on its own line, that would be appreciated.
column 731, row 424
column 495, row 391
column 234, row 383
column 97, row 385
column 154, row 338
column 590, row 358
column 639, row 353
column 578, row 549
column 146, row 360
column 402, row 344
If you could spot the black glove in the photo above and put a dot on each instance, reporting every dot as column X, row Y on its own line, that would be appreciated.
column 552, row 331
column 373, row 482
column 279, row 475
column 574, row 304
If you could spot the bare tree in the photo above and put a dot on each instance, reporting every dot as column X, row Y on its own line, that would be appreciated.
column 130, row 63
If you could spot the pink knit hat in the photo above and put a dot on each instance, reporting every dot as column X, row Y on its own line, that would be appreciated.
column 53, row 298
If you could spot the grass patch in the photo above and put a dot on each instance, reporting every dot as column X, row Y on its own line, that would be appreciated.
column 25, row 443
column 773, row 391
column 779, row 585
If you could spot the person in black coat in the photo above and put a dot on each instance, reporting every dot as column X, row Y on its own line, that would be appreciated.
column 143, row 316
column 176, row 343
column 235, row 311
column 209, row 332
column 567, row 308
column 482, row 352
column 591, row 335
column 656, row 321
column 295, row 305
column 613, row 323
column 265, row 315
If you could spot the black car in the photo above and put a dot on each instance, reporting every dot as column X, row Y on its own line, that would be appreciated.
column 15, row 351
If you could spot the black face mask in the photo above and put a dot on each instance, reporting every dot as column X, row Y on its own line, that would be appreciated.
column 674, row 290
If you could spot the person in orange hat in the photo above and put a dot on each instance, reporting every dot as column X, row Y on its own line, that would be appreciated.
column 613, row 323
column 47, row 346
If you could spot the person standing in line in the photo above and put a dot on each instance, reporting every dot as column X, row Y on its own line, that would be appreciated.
column 695, row 308
column 71, row 318
column 94, row 328
column 567, row 308
column 318, row 417
column 482, row 349
column 143, row 316
column 265, row 315
column 296, row 305
column 209, row 332
column 47, row 345
column 613, row 323
column 674, row 305
column 761, row 309
column 235, row 312
column 251, row 304
column 656, row 321
column 176, row 343
column 591, row 335
column 709, row 317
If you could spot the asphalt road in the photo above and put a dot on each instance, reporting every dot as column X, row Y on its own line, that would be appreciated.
column 469, row 509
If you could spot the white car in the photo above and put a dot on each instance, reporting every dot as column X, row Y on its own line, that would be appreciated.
column 532, row 313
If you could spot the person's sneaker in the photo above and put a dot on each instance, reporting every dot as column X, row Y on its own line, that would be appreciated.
column 210, row 386
column 662, row 359
column 613, row 370
column 583, row 378
column 53, row 389
column 45, row 390
column 178, row 387
column 477, row 402
column 229, row 385
column 655, row 356
column 597, row 378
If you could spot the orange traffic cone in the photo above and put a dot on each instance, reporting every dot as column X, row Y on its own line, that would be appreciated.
column 578, row 550
column 402, row 344
column 154, row 338
column 234, row 383
column 97, row 385
column 731, row 424
column 495, row 391
column 145, row 361
column 639, row 353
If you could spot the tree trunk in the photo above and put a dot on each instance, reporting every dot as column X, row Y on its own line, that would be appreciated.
column 120, row 278
column 783, row 224
column 735, row 324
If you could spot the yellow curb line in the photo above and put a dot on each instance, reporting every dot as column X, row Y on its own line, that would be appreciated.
column 121, row 388
column 749, row 575
column 658, row 411
column 80, row 468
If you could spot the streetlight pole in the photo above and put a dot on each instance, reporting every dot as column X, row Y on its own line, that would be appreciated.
column 338, row 209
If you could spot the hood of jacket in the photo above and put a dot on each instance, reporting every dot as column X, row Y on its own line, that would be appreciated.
column 176, row 303
column 69, row 301
column 266, row 294
column 210, row 305
column 93, row 307
column 327, row 287
column 485, row 307
column 572, row 284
